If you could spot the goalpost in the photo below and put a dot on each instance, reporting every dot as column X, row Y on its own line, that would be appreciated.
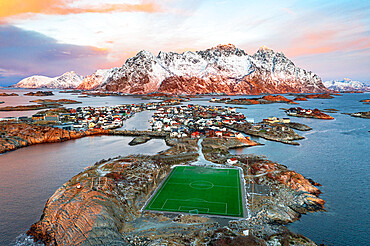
column 193, row 212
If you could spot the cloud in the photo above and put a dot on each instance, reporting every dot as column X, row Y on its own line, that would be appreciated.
column 65, row 7
column 306, row 31
column 326, row 41
column 25, row 53
column 338, row 65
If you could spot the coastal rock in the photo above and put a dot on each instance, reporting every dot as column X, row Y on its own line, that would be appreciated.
column 365, row 115
column 102, row 205
column 94, row 205
column 263, row 100
column 59, row 101
column 214, row 149
column 284, row 176
column 298, row 126
column 8, row 94
column 290, row 206
column 319, row 96
column 222, row 69
column 300, row 99
column 40, row 93
column 78, row 218
column 308, row 113
column 276, row 132
column 42, row 104
column 17, row 135
column 139, row 140
column 30, row 107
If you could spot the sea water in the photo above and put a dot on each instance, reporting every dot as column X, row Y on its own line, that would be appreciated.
column 335, row 154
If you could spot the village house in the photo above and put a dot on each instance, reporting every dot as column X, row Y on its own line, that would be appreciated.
column 37, row 117
column 232, row 161
column 285, row 120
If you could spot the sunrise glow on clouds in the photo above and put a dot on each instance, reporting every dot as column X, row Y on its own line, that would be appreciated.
column 49, row 37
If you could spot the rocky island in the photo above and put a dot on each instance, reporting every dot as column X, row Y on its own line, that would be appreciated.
column 29, row 107
column 42, row 104
column 250, row 101
column 271, row 131
column 365, row 115
column 308, row 113
column 8, row 94
column 319, row 96
column 40, row 93
column 17, row 135
column 139, row 140
column 298, row 126
column 58, row 101
column 105, row 204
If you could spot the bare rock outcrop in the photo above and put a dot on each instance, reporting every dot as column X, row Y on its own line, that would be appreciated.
column 17, row 135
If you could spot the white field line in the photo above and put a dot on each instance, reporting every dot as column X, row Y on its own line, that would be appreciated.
column 164, row 184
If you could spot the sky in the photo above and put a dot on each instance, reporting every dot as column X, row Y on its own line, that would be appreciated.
column 50, row 37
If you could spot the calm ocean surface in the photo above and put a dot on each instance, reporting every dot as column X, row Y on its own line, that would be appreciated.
column 335, row 153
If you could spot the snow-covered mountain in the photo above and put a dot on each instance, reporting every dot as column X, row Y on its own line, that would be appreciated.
column 36, row 81
column 346, row 85
column 98, row 78
column 68, row 80
column 222, row 69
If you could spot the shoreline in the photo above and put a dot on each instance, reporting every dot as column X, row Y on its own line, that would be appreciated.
column 55, row 135
column 109, row 195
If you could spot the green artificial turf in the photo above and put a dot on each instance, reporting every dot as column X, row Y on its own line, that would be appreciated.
column 200, row 190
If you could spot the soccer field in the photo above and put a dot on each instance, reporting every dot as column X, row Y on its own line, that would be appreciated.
column 200, row 190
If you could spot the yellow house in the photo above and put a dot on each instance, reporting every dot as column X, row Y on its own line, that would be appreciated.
column 285, row 120
column 273, row 119
column 92, row 125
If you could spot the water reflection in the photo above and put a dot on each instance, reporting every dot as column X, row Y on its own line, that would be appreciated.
column 29, row 176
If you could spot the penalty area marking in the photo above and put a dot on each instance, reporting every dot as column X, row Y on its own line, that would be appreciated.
column 194, row 207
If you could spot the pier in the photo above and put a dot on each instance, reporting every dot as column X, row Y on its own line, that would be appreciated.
column 135, row 133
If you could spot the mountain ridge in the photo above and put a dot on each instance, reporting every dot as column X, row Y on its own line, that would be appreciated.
column 221, row 69
column 68, row 80
column 346, row 85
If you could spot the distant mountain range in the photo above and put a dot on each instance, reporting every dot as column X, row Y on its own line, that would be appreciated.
column 222, row 69
column 346, row 85
column 69, row 80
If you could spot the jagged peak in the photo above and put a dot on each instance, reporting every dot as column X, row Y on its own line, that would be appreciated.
column 264, row 48
column 163, row 54
column 145, row 53
column 70, row 72
column 224, row 47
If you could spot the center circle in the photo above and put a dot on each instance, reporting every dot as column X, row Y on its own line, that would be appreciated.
column 201, row 185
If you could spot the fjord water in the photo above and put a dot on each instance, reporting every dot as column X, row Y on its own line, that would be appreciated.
column 335, row 153
column 29, row 176
column 93, row 101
